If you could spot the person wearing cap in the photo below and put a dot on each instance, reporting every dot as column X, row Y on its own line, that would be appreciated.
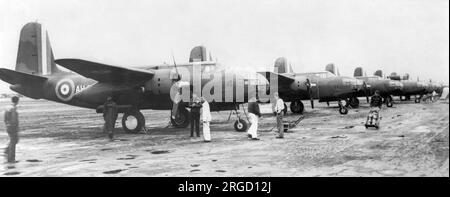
column 11, row 119
column 110, row 113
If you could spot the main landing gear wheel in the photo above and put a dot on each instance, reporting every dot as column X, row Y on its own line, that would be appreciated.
column 181, row 120
column 297, row 107
column 133, row 121
column 389, row 101
column 352, row 102
column 240, row 125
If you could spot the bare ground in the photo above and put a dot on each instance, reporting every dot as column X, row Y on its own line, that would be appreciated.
column 61, row 140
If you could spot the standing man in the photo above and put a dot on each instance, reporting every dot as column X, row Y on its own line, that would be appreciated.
column 278, row 109
column 195, row 106
column 206, row 117
column 12, row 127
column 254, row 114
column 110, row 116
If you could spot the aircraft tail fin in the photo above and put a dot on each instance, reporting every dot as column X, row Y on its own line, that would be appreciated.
column 406, row 77
column 331, row 68
column 378, row 73
column 282, row 66
column 358, row 72
column 198, row 54
column 35, row 54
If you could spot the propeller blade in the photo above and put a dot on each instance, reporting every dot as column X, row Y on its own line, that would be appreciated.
column 366, row 91
column 176, row 68
column 308, row 87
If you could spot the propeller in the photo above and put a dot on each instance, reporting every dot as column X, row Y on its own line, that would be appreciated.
column 175, row 104
column 176, row 68
column 308, row 88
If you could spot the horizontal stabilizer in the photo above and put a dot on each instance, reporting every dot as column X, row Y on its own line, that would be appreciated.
column 16, row 77
column 106, row 73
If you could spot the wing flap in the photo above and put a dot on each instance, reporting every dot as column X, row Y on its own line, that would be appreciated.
column 106, row 73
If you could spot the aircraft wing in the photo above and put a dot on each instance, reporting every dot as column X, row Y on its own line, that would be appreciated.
column 106, row 73
column 282, row 80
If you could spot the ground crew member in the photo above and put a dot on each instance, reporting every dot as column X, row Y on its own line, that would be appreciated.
column 11, row 118
column 376, row 100
column 278, row 109
column 254, row 114
column 206, row 117
column 110, row 115
column 195, row 106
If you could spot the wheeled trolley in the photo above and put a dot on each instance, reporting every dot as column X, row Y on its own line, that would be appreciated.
column 373, row 119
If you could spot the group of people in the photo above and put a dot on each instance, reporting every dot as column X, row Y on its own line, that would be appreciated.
column 200, row 107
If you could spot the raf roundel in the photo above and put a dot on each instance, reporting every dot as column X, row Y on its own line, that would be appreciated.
column 64, row 89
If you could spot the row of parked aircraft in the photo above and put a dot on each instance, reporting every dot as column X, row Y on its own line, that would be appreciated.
column 87, row 84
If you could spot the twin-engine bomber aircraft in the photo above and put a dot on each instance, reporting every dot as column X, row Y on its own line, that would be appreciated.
column 152, row 87
column 386, row 87
column 324, row 86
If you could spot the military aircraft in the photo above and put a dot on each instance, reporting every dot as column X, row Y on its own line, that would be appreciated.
column 410, row 87
column 324, row 86
column 37, row 76
column 386, row 87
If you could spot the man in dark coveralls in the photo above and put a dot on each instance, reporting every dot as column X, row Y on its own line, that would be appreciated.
column 110, row 116
column 195, row 106
column 11, row 118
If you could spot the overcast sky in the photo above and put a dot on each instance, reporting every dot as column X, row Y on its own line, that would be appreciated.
column 393, row 35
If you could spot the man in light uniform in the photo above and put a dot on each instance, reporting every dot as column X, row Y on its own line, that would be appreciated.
column 278, row 109
column 254, row 114
column 206, row 118
column 11, row 118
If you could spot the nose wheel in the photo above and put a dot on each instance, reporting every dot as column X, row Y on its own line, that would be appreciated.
column 133, row 121
column 181, row 119
column 240, row 124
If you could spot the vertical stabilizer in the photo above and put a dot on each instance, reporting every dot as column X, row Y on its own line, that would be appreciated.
column 35, row 55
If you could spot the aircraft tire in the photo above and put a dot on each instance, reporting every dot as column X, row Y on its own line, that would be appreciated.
column 343, row 110
column 133, row 121
column 297, row 107
column 353, row 102
column 417, row 100
column 240, row 125
column 183, row 120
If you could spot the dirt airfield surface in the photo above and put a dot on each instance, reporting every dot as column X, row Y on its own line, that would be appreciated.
column 62, row 140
